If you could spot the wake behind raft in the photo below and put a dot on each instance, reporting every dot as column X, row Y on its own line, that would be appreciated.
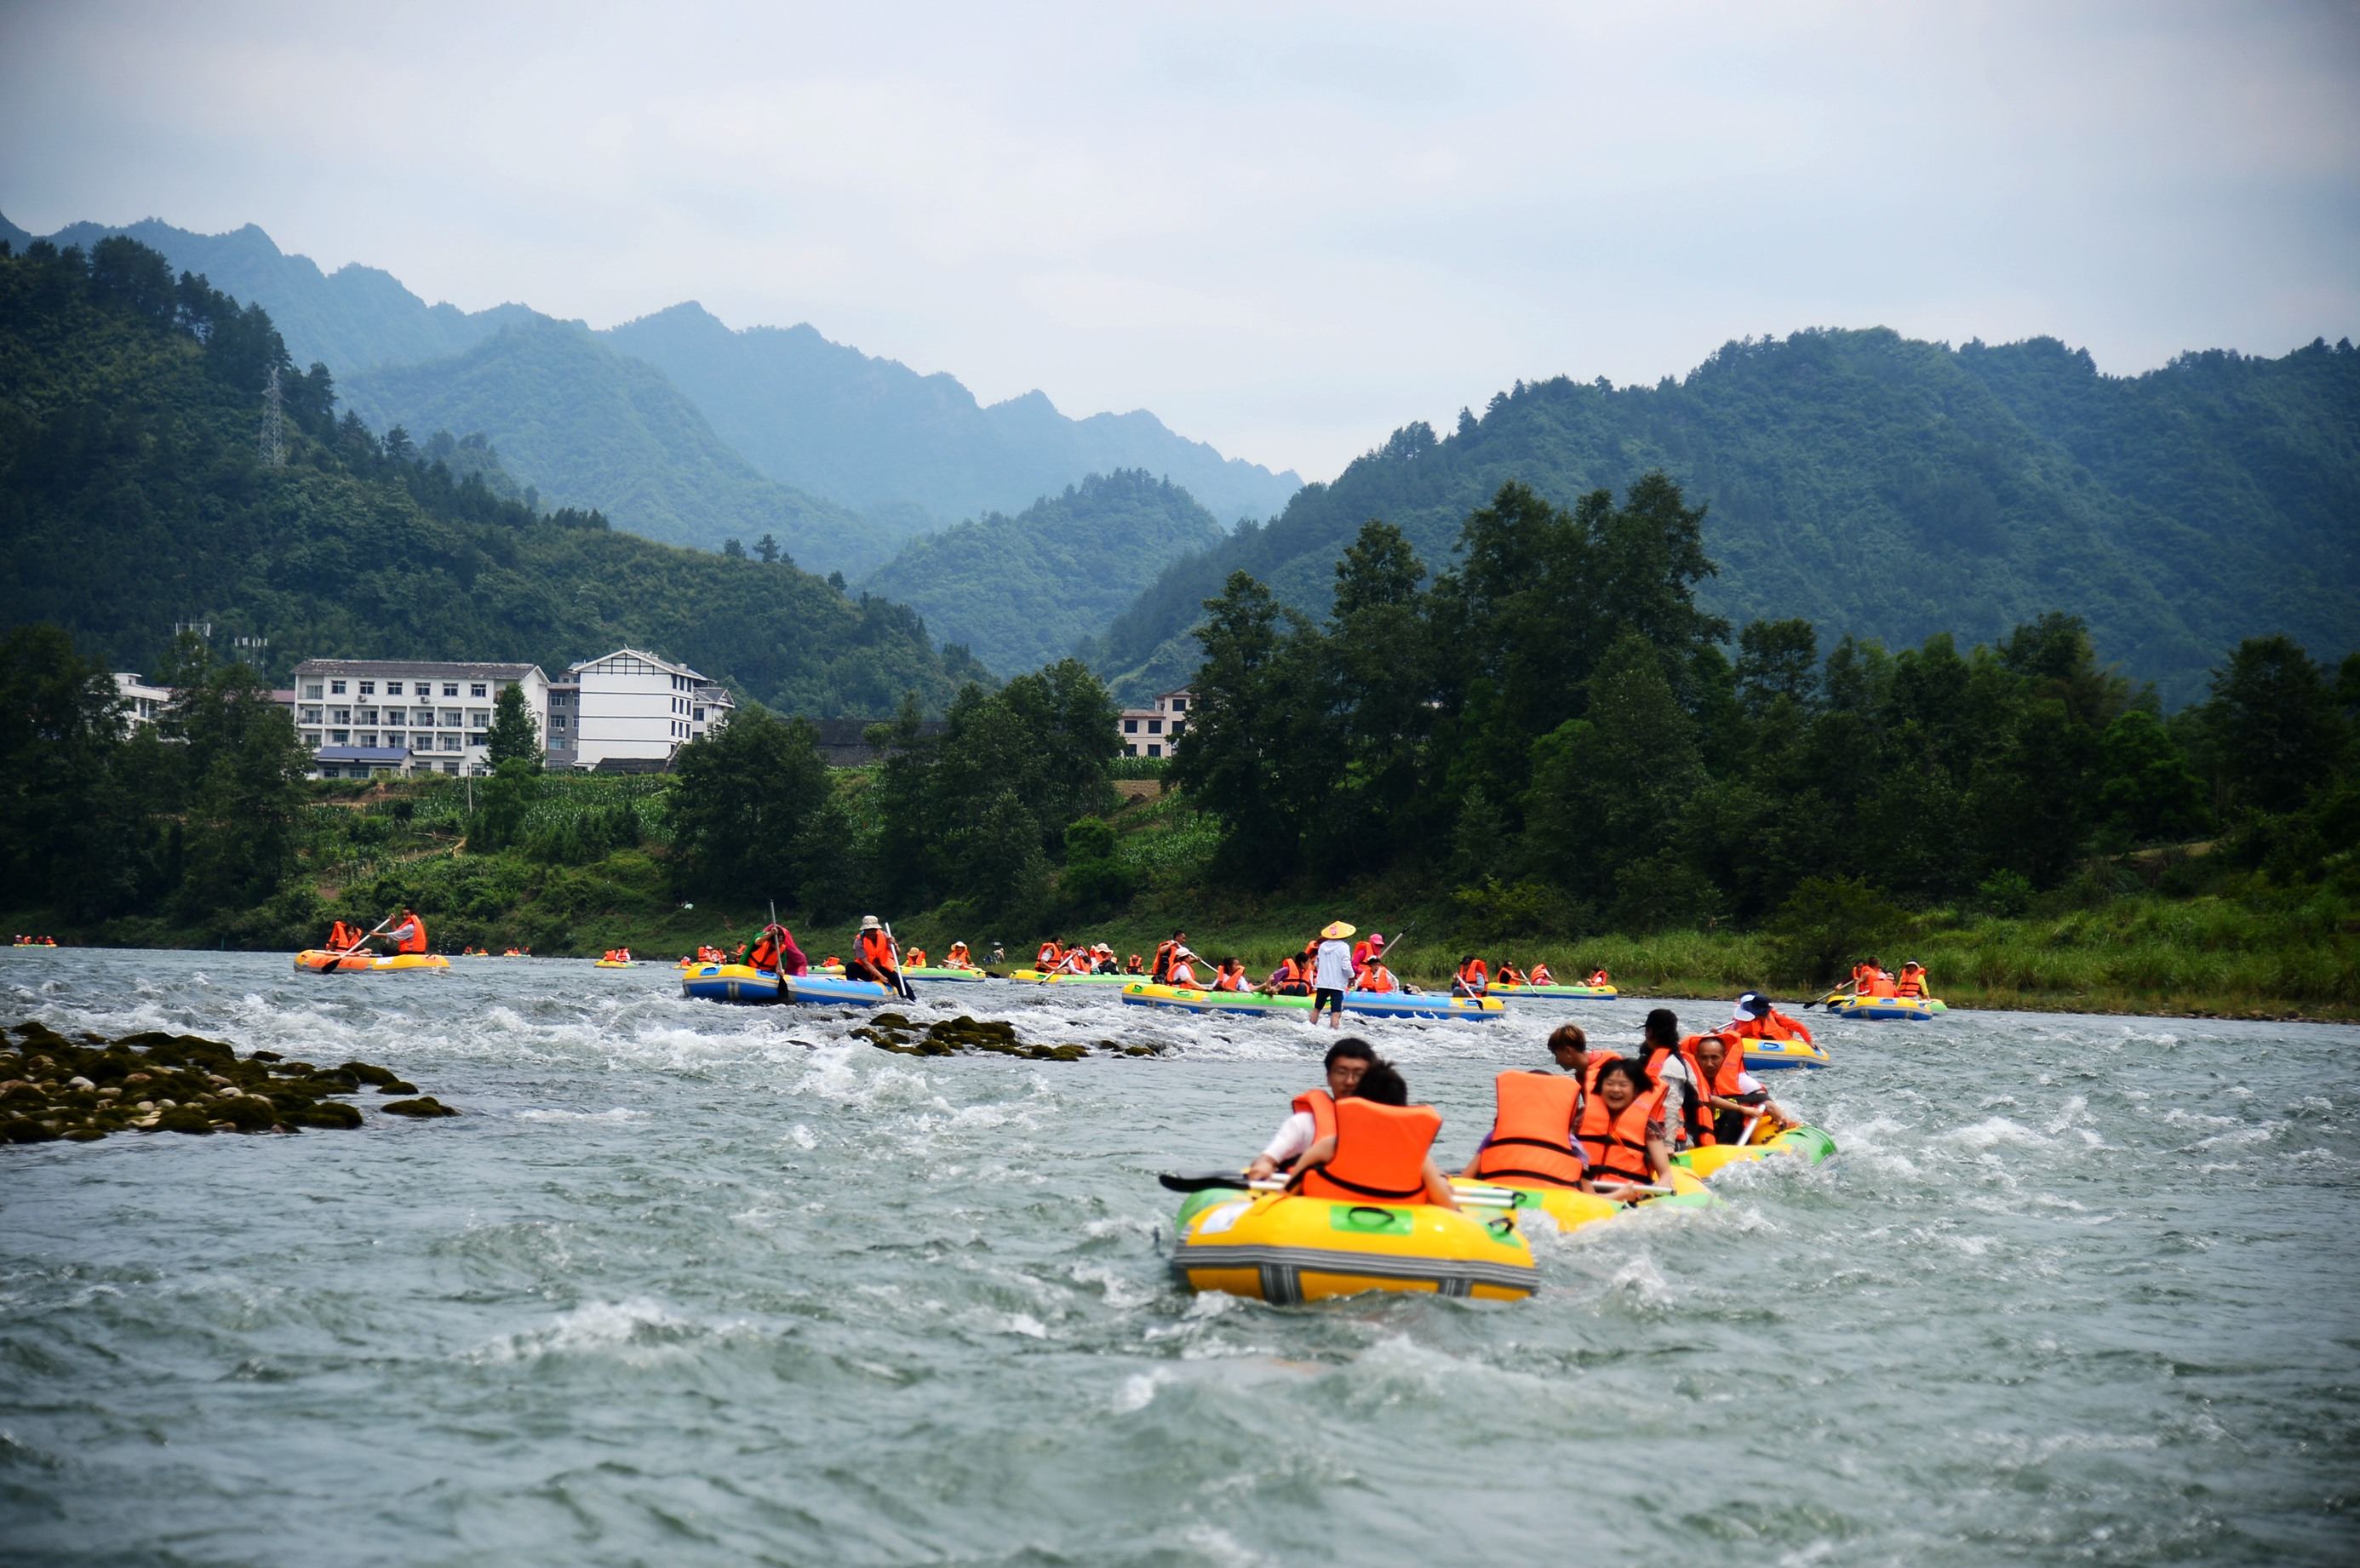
column 1259, row 1241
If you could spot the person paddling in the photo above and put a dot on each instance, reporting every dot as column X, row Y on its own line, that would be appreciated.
column 1756, row 1016
column 874, row 959
column 408, row 935
column 775, row 952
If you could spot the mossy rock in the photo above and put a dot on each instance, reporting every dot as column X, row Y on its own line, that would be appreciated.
column 24, row 1129
column 185, row 1118
column 247, row 1114
column 397, row 1087
column 892, row 1022
column 364, row 1074
column 328, row 1114
column 86, row 1135
column 425, row 1106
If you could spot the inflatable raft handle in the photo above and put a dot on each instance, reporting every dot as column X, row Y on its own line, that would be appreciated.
column 1201, row 1181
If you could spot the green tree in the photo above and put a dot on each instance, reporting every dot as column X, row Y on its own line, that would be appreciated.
column 1826, row 925
column 514, row 735
column 2146, row 792
column 67, row 836
column 244, row 766
column 502, row 801
column 1608, row 789
column 745, row 792
column 2275, row 724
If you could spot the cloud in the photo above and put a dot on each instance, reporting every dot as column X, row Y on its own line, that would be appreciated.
column 1285, row 230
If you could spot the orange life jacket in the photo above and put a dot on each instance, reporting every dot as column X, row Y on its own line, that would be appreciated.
column 1540, row 975
column 1473, row 975
column 1379, row 1154
column 915, row 958
column 1602, row 978
column 1696, row 1116
column 765, row 952
column 877, row 948
column 339, row 938
column 1321, row 1105
column 1509, row 975
column 1133, row 967
column 958, row 955
column 415, row 941
column 1772, row 1025
column 1226, row 981
column 1617, row 1146
column 1049, row 954
column 1884, row 986
column 1532, row 1134
column 1180, row 973
column 1377, row 977
column 1911, row 984
column 1162, row 971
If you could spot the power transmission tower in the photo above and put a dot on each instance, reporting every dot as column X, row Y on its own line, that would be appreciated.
column 274, row 424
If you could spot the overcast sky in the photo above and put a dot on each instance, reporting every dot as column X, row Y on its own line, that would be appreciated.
column 1284, row 229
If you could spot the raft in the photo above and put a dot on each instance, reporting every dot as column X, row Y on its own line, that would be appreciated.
column 1545, row 993
column 1914, row 1010
column 1041, row 977
column 326, row 961
column 1284, row 1249
column 945, row 972
column 615, row 964
column 742, row 982
column 1807, row 1143
column 1366, row 1003
column 1761, row 1055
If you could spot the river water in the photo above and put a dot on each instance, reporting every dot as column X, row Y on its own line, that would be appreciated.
column 698, row 1284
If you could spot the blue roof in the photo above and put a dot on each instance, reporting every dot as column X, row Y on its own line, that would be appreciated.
column 361, row 754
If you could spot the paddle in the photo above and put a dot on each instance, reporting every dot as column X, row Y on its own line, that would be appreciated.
column 339, row 963
column 1203, row 1181
column 1834, row 996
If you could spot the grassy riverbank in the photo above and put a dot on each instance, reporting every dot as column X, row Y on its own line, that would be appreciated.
column 590, row 869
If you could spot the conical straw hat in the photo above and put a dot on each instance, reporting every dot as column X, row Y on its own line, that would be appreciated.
column 1339, row 929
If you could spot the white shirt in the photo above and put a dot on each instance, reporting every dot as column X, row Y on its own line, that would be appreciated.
column 1294, row 1135
column 1335, row 968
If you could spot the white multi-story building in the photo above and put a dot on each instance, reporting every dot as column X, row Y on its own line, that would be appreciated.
column 142, row 700
column 1150, row 732
column 366, row 716
column 631, row 711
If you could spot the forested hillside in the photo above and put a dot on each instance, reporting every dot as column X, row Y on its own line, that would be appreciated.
column 876, row 434
column 133, row 496
column 1024, row 591
column 1888, row 488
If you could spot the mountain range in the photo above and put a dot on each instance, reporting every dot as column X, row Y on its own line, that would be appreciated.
column 680, row 430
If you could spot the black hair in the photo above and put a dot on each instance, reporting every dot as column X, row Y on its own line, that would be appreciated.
column 1636, row 1072
column 1567, row 1035
column 1468, row 959
column 1663, row 1027
column 1354, row 1047
column 1383, row 1084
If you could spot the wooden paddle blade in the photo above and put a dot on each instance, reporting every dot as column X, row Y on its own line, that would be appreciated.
column 1202, row 1181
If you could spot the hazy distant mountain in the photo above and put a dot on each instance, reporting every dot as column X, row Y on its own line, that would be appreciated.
column 589, row 427
column 1022, row 591
column 350, row 319
column 874, row 433
column 1890, row 488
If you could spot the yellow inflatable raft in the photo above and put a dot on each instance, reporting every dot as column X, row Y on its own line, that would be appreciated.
column 321, row 961
column 1281, row 1249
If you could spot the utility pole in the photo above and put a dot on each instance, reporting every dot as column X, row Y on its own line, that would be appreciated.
column 274, row 424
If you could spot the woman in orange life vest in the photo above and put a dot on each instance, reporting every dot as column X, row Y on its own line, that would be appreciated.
column 1473, row 980
column 1179, row 968
column 1375, row 977
column 957, row 958
column 1600, row 977
column 1734, row 1096
column 915, row 958
column 1286, row 980
column 1134, row 967
column 342, row 937
column 1045, row 961
column 1381, row 1148
column 1758, row 1018
column 1913, row 980
column 1531, row 1143
column 775, row 950
column 1367, row 952
column 1313, row 1115
column 1538, row 974
column 1621, row 1139
column 1509, row 974
column 1232, row 975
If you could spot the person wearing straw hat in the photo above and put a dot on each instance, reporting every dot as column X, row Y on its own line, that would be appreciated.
column 1331, row 974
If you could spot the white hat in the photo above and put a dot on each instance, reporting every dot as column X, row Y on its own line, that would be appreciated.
column 871, row 923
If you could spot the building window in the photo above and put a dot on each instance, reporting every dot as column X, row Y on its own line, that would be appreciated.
column 394, row 738
column 367, row 716
column 557, row 721
column 1130, row 726
column 366, row 738
column 311, row 739
column 1179, row 704
column 699, row 715
column 480, row 738
column 1154, row 749
column 335, row 688
column 449, row 743
column 1131, row 750
column 393, row 688
column 449, row 718
column 311, row 716
column 311, row 688
column 476, row 689
column 339, row 738
column 1155, row 726
column 332, row 771
column 452, row 769
column 479, row 717
column 368, row 688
